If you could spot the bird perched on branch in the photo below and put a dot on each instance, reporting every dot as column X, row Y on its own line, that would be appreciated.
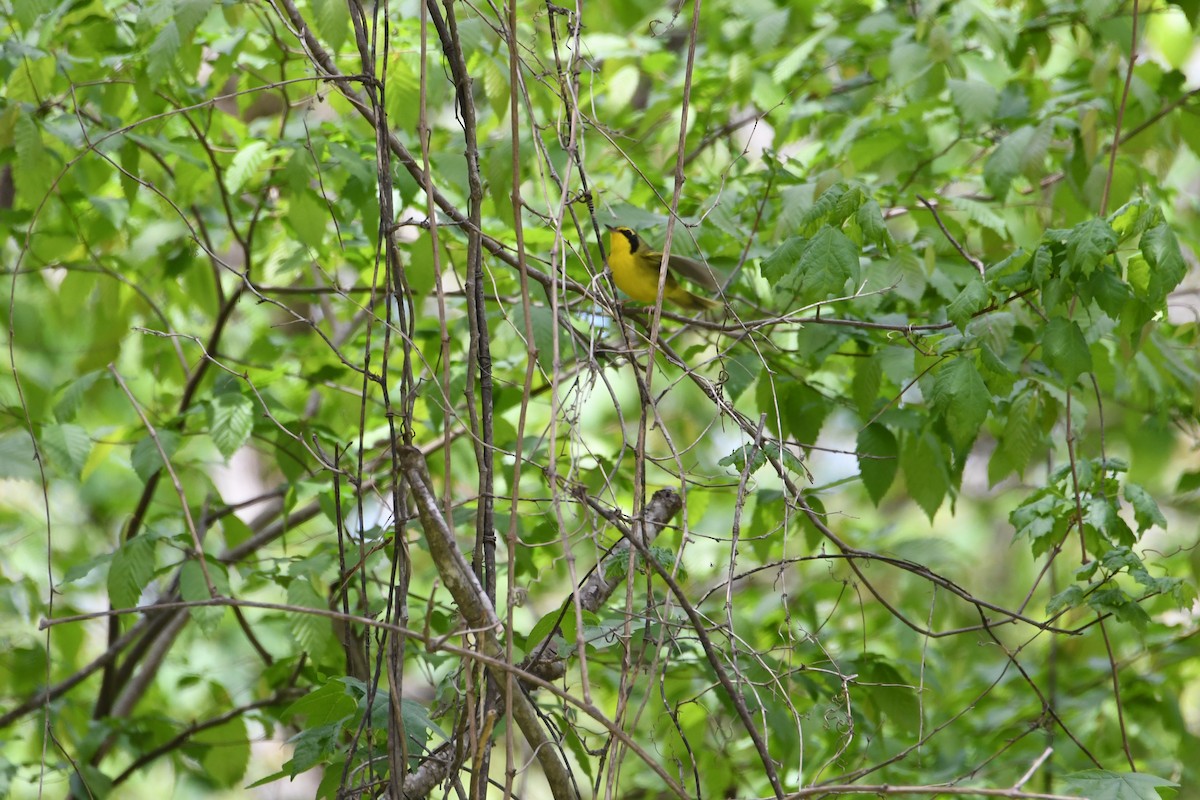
column 635, row 269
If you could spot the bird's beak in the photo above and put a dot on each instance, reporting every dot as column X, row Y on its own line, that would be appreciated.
column 610, row 227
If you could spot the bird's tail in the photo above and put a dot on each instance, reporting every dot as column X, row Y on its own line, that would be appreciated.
column 694, row 302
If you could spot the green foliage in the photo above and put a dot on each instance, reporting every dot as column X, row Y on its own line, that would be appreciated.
column 935, row 447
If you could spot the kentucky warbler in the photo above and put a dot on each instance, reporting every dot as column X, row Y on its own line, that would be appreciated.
column 635, row 269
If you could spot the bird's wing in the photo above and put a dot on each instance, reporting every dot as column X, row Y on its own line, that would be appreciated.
column 697, row 271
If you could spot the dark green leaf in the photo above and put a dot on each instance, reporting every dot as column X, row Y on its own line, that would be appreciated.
column 878, row 460
column 925, row 472
column 960, row 397
column 1088, row 244
column 1065, row 350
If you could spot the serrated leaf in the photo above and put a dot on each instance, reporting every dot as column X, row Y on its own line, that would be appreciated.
column 72, row 397
column 823, row 211
column 803, row 411
column 870, row 220
column 829, row 262
column 311, row 632
column 925, row 472
column 973, row 298
column 980, row 214
column 1165, row 259
column 878, row 460
column 230, row 421
column 960, row 396
column 1005, row 162
column 864, row 388
column 974, row 100
column 33, row 168
column 328, row 705
column 741, row 371
column 308, row 218
column 1033, row 156
column 1102, row 784
column 145, row 457
column 1065, row 350
column 160, row 57
column 68, row 447
column 131, row 569
column 1120, row 605
column 1071, row 597
column 1021, row 434
column 746, row 459
column 227, row 753
column 245, row 165
column 1108, row 291
column 1145, row 509
column 1088, row 244
column 781, row 263
column 332, row 19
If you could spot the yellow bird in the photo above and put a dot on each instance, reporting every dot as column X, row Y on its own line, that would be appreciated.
column 635, row 269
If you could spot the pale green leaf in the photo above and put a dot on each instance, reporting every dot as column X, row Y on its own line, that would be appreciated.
column 245, row 165
column 131, row 569
column 230, row 421
column 67, row 446
column 145, row 456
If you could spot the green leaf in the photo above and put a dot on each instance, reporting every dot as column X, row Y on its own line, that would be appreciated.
column 973, row 298
column 1065, row 350
column 878, row 459
column 228, row 752
column 68, row 447
column 33, row 168
column 72, row 397
column 145, row 457
column 870, row 220
column 974, row 100
column 131, row 569
column 741, row 371
column 925, row 472
column 1145, row 509
column 245, row 165
column 1165, row 260
column 961, row 398
column 1102, row 784
column 1121, row 606
column 828, row 266
column 1071, row 597
column 1014, row 447
column 332, row 22
column 868, row 378
column 1088, row 244
column 329, row 704
column 311, row 632
column 803, row 410
column 780, row 264
column 308, row 218
column 230, row 421
column 1006, row 160
column 161, row 55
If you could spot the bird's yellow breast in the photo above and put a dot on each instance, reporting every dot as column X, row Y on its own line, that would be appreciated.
column 634, row 272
